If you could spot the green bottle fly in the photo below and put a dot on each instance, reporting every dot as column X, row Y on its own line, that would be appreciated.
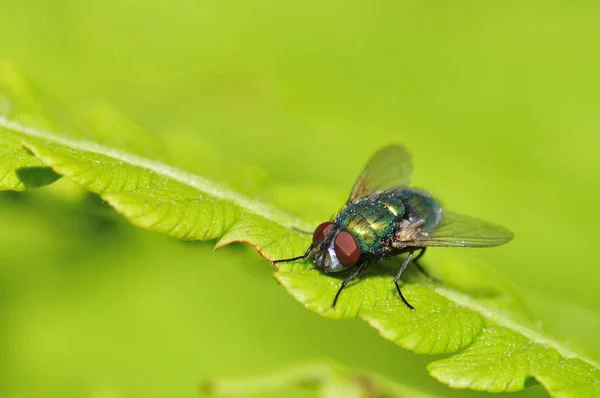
column 384, row 217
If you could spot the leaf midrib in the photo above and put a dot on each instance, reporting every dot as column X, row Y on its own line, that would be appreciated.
column 184, row 177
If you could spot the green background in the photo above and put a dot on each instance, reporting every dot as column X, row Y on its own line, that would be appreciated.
column 497, row 102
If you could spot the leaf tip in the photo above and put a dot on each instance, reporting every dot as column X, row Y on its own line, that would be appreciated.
column 222, row 243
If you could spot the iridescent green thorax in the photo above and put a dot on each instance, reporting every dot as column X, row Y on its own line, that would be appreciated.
column 375, row 219
column 371, row 220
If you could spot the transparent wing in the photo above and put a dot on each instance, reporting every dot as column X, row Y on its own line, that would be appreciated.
column 463, row 231
column 391, row 167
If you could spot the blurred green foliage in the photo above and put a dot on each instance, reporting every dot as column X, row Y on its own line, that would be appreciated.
column 497, row 102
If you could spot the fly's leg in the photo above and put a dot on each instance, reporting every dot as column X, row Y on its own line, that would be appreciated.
column 347, row 280
column 302, row 257
column 420, row 268
column 421, row 254
column 397, row 278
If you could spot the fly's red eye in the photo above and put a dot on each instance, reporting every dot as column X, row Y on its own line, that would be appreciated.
column 322, row 231
column 346, row 248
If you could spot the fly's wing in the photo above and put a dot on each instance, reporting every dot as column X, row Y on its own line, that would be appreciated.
column 391, row 167
column 457, row 230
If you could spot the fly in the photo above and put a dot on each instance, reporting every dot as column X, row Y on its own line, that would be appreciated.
column 384, row 217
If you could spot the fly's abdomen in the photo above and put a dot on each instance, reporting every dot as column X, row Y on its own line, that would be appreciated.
column 420, row 207
column 372, row 220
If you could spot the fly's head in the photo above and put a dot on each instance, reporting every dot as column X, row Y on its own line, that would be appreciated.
column 335, row 249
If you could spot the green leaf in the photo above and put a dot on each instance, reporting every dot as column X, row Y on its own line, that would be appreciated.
column 329, row 380
column 152, row 195
column 20, row 170
column 499, row 360
column 570, row 378
column 474, row 318
column 374, row 299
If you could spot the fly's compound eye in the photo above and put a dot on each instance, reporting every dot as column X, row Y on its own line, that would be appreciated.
column 346, row 249
column 322, row 231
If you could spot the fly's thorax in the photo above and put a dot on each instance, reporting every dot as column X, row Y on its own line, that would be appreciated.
column 369, row 228
column 372, row 221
